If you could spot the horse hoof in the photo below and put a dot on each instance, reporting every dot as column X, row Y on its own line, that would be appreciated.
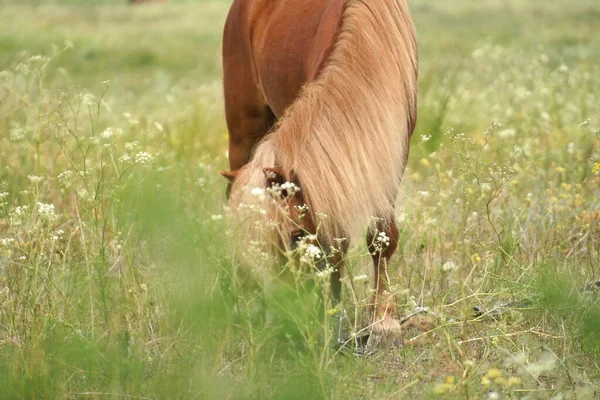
column 388, row 331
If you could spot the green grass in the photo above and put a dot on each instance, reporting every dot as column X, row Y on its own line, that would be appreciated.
column 130, row 288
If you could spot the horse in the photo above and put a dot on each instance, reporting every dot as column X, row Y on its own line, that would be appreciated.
column 320, row 104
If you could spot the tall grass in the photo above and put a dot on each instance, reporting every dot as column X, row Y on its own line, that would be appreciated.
column 118, row 277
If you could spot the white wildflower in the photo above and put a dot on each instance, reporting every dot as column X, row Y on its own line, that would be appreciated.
column 424, row 194
column 216, row 217
column 17, row 133
column 108, row 133
column 425, row 138
column 143, row 158
column 159, row 127
column 6, row 242
column 131, row 146
column 125, row 158
column 324, row 274
column 65, row 179
column 46, row 211
column 3, row 195
column 449, row 266
column 89, row 99
column 361, row 278
column 313, row 252
column 35, row 179
column 493, row 396
column 16, row 217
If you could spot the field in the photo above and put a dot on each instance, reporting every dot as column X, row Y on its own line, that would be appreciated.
column 118, row 275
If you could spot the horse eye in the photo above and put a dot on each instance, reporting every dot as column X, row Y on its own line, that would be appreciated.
column 297, row 236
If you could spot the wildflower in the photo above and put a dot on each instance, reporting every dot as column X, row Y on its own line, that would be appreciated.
column 493, row 396
column 17, row 133
column 424, row 138
column 131, row 146
column 7, row 242
column 144, row 287
column 159, row 127
column 449, row 266
column 57, row 235
column 424, row 194
column 46, row 211
column 143, row 158
column 513, row 381
column 65, row 179
column 3, row 195
column 361, row 278
column 35, row 179
column 596, row 168
column 125, row 158
column 108, row 133
column 324, row 274
column 216, row 217
column 313, row 252
column 17, row 215
column 383, row 239
column 494, row 373
column 89, row 99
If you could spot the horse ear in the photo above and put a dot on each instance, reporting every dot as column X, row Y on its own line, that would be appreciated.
column 275, row 176
column 230, row 175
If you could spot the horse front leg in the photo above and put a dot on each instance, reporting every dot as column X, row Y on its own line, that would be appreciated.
column 382, row 242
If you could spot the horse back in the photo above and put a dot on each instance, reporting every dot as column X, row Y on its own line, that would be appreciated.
column 289, row 42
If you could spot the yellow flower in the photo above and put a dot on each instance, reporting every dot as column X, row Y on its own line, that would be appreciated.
column 494, row 373
column 450, row 380
column 485, row 381
column 596, row 168
column 513, row 381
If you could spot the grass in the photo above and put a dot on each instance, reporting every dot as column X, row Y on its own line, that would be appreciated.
column 117, row 271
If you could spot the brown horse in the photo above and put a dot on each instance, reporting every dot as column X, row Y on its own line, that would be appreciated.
column 321, row 96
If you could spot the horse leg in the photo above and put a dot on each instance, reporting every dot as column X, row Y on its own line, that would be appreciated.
column 382, row 247
column 336, row 288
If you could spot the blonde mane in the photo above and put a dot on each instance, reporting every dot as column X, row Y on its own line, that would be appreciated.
column 346, row 136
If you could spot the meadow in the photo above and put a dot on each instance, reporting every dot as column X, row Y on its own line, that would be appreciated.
column 118, row 274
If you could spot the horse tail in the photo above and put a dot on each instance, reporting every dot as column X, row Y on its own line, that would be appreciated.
column 345, row 138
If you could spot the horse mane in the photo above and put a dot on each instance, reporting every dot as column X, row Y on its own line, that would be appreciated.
column 345, row 138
